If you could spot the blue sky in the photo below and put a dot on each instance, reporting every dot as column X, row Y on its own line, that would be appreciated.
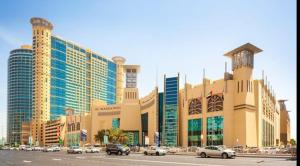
column 165, row 37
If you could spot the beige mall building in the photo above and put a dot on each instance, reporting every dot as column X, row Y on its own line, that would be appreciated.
column 234, row 110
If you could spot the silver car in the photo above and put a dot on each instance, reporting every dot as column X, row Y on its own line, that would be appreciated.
column 216, row 151
column 153, row 150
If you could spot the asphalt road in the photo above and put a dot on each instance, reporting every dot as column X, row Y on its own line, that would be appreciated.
column 20, row 158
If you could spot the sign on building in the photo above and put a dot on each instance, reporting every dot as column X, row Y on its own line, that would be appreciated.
column 83, row 135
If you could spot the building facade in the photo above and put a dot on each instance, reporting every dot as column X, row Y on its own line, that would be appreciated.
column 25, row 133
column 235, row 110
column 55, row 132
column 77, row 128
column 67, row 75
column 19, row 97
column 170, row 133
column 284, row 123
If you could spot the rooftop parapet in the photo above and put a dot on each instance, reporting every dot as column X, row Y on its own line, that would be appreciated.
column 35, row 21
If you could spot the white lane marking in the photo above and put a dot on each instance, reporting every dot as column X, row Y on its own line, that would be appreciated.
column 80, row 157
column 56, row 159
column 97, row 156
column 26, row 161
column 164, row 162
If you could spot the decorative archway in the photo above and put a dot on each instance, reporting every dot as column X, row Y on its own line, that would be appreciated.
column 195, row 106
column 215, row 103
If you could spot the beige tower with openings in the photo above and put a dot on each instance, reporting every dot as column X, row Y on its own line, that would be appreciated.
column 41, row 30
column 245, row 123
column 119, row 78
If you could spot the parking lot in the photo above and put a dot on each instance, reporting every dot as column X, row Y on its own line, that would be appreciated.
column 37, row 158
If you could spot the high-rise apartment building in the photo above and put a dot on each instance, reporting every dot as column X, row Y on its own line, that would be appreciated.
column 66, row 75
column 19, row 96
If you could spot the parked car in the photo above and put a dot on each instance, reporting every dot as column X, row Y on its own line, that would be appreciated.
column 22, row 147
column 37, row 148
column 13, row 148
column 238, row 149
column 92, row 150
column 154, row 150
column 253, row 150
column 55, row 148
column 74, row 150
column 117, row 149
column 173, row 150
column 48, row 149
column 28, row 148
column 215, row 151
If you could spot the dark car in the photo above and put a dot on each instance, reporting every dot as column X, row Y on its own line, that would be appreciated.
column 117, row 149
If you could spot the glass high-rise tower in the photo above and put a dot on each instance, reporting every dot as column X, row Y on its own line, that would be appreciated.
column 66, row 75
column 19, row 94
column 170, row 112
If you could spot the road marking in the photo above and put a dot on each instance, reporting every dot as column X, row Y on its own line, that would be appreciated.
column 56, row 159
column 165, row 162
column 26, row 161
column 97, row 156
column 80, row 157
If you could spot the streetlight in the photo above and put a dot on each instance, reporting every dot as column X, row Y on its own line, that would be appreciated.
column 237, row 141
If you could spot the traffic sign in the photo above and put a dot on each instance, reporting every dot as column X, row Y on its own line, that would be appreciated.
column 105, row 139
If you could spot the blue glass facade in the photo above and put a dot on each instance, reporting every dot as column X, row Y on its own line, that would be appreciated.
column 194, row 132
column 160, row 118
column 77, row 77
column 58, row 78
column 170, row 127
column 116, row 123
column 19, row 97
column 215, row 127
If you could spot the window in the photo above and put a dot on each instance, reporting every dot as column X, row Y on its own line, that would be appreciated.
column 215, row 126
column 242, row 86
column 78, row 126
column 195, row 106
column 215, row 103
column 238, row 87
column 247, row 86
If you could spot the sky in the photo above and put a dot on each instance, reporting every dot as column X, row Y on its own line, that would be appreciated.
column 165, row 37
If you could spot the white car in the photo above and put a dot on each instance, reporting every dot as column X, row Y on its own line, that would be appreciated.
column 74, row 149
column 28, row 148
column 55, row 148
column 216, row 151
column 37, row 148
column 92, row 150
column 22, row 147
column 48, row 149
column 154, row 150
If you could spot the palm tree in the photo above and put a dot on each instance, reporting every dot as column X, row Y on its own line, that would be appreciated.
column 100, row 136
column 117, row 135
column 123, row 138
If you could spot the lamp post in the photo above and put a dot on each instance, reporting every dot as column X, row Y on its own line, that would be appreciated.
column 237, row 141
